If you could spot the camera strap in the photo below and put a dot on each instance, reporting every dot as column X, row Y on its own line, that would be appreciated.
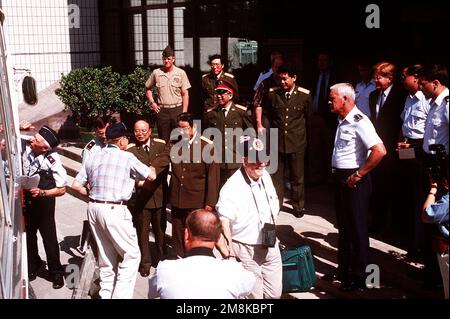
column 247, row 180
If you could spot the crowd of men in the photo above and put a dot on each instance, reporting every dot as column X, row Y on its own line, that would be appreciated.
column 371, row 143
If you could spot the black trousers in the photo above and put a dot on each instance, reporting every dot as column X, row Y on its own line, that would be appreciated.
column 179, row 216
column 352, row 205
column 167, row 121
column 295, row 163
column 158, row 219
column 39, row 215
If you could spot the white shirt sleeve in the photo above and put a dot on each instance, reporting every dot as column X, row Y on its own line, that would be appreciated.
column 367, row 133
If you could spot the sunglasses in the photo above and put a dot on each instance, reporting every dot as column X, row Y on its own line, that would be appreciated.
column 221, row 91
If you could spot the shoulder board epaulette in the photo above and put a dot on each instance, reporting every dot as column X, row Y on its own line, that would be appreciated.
column 206, row 74
column 243, row 108
column 159, row 140
column 358, row 117
column 273, row 89
column 229, row 75
column 51, row 159
column 90, row 145
column 303, row 90
column 207, row 140
column 130, row 145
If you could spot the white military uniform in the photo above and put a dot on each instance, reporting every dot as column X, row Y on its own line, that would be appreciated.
column 237, row 205
column 414, row 115
column 49, row 161
column 200, row 277
column 355, row 135
column 436, row 127
column 362, row 92
column 90, row 149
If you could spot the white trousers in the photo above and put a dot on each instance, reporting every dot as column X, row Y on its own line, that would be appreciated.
column 118, row 249
column 443, row 265
column 266, row 265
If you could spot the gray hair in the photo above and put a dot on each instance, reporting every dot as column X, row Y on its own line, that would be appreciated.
column 344, row 89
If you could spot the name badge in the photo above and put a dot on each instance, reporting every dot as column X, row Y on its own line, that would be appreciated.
column 406, row 153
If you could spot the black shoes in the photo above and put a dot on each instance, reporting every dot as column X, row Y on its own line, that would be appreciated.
column 144, row 271
column 331, row 277
column 299, row 212
column 348, row 286
column 58, row 281
column 33, row 273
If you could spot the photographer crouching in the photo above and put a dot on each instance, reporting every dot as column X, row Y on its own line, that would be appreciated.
column 436, row 212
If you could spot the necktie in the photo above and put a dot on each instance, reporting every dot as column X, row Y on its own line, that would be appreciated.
column 322, row 104
column 146, row 148
column 381, row 103
column 224, row 111
column 288, row 96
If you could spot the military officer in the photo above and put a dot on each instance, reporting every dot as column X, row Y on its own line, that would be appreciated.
column 148, row 204
column 40, row 158
column 357, row 151
column 215, row 77
column 288, row 107
column 172, row 86
column 98, row 142
column 195, row 178
column 227, row 117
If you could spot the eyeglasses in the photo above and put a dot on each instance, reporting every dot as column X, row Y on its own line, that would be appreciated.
column 215, row 65
column 140, row 131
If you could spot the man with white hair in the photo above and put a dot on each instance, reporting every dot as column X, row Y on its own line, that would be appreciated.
column 352, row 162
column 39, row 158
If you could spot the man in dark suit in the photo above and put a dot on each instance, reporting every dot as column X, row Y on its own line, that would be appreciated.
column 322, row 124
column 148, row 203
column 386, row 104
column 288, row 108
column 195, row 178
column 226, row 118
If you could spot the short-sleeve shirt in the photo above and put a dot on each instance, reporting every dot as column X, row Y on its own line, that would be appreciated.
column 414, row 115
column 355, row 135
column 236, row 204
column 90, row 149
column 169, row 85
column 49, row 161
column 111, row 174
column 436, row 126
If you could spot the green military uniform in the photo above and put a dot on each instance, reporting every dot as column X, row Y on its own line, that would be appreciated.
column 209, row 84
column 148, row 204
column 236, row 117
column 289, row 117
column 193, row 185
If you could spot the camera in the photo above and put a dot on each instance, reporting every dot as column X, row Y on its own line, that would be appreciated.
column 269, row 235
column 437, row 166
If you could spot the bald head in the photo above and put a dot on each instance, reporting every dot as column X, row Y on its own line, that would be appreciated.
column 142, row 131
column 204, row 225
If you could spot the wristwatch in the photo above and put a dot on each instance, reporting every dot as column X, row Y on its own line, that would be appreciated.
column 42, row 193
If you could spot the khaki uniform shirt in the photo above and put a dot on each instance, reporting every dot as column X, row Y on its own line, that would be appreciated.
column 169, row 85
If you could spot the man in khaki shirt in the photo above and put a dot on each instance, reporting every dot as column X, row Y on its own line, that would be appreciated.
column 172, row 86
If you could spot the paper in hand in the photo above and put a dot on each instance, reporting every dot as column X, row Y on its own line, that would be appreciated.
column 29, row 182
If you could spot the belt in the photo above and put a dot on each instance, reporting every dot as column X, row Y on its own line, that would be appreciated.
column 123, row 202
column 337, row 170
column 170, row 106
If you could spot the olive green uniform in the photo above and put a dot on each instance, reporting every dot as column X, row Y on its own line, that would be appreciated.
column 209, row 84
column 289, row 117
